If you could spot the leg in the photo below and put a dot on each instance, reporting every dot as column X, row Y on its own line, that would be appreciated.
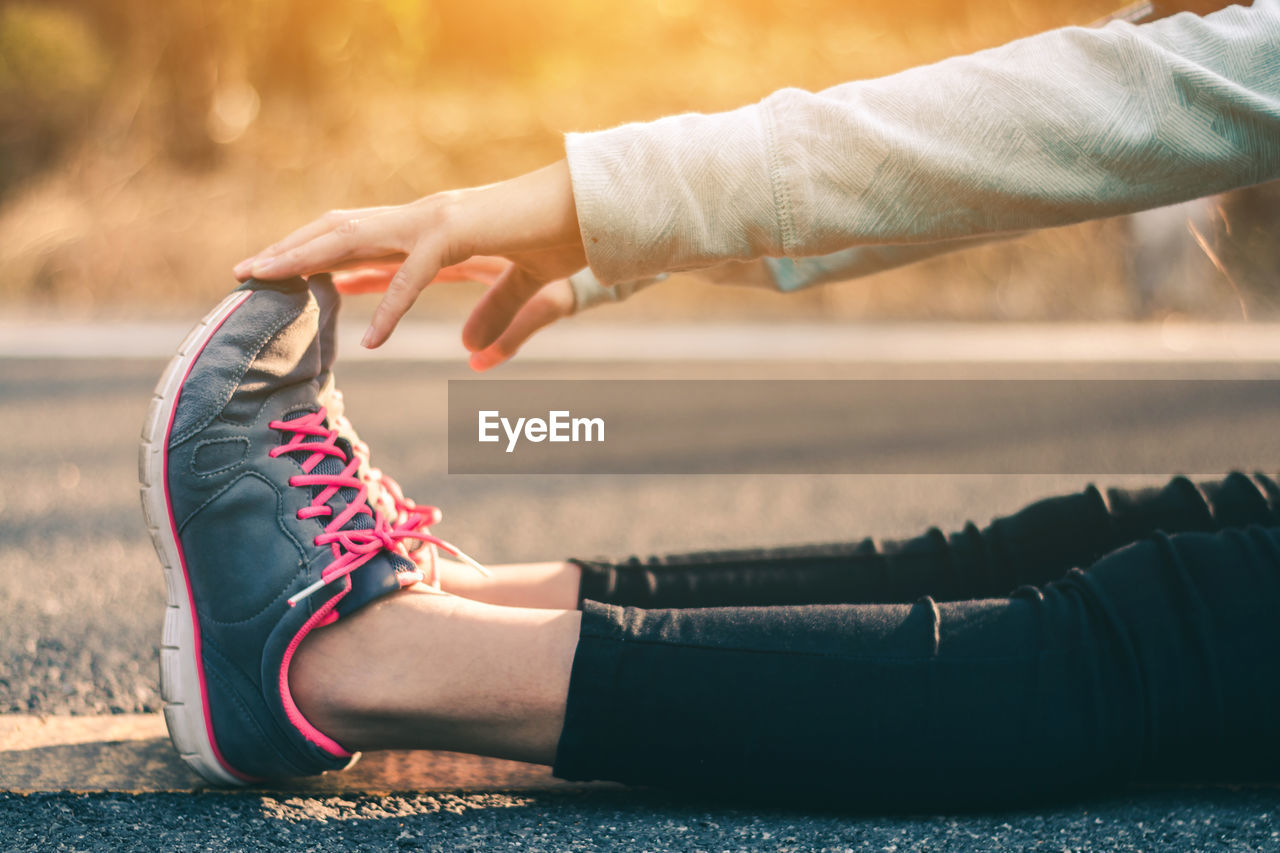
column 1033, row 546
column 1156, row 662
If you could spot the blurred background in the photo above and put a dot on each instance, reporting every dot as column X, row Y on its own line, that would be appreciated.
column 146, row 147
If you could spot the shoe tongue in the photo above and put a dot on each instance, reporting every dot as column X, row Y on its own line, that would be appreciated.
column 332, row 466
column 330, row 303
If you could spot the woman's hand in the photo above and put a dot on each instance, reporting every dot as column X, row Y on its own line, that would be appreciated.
column 530, row 221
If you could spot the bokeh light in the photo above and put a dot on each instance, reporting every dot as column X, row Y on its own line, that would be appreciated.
column 146, row 147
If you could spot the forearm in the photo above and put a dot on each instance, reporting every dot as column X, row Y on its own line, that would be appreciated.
column 1068, row 125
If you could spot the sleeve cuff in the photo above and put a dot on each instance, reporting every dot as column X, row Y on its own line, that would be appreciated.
column 588, row 292
column 682, row 192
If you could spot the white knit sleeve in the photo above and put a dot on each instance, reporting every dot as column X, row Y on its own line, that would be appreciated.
column 1064, row 126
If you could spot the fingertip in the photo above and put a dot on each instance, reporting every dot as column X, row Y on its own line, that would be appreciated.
column 384, row 322
column 484, row 360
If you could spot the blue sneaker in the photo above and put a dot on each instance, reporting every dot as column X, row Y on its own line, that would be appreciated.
column 264, row 527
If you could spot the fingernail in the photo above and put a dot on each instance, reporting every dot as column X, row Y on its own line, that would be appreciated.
column 242, row 267
column 484, row 360
column 263, row 266
column 367, row 340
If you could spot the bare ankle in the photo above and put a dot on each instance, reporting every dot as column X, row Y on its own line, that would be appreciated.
column 422, row 671
column 343, row 675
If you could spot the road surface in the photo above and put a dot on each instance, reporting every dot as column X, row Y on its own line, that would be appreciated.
column 81, row 600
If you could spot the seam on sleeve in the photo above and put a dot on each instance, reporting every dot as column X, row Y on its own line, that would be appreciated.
column 777, row 181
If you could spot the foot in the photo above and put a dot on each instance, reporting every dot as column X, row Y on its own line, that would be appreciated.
column 264, row 530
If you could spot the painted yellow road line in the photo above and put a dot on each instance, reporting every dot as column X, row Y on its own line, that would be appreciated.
column 23, row 731
column 131, row 752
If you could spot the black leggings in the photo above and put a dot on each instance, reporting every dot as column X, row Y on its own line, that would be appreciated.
column 1084, row 642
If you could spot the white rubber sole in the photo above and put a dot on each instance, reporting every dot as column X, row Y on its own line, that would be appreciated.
column 181, row 681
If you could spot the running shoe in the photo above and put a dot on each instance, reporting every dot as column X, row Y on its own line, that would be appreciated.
column 264, row 529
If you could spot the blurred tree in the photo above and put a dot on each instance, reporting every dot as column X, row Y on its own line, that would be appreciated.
column 297, row 44
column 191, row 40
column 51, row 74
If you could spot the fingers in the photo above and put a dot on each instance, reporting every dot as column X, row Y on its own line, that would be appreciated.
column 403, row 289
column 369, row 279
column 498, row 307
column 552, row 303
column 375, row 276
column 374, row 237
column 303, row 235
column 481, row 268
column 312, row 229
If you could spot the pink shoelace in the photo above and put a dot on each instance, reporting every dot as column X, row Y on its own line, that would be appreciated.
column 352, row 548
column 408, row 518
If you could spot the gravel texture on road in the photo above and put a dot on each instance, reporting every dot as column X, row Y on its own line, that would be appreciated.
column 1169, row 822
column 81, row 601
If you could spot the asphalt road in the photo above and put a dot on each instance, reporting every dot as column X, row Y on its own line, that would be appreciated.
column 81, row 600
